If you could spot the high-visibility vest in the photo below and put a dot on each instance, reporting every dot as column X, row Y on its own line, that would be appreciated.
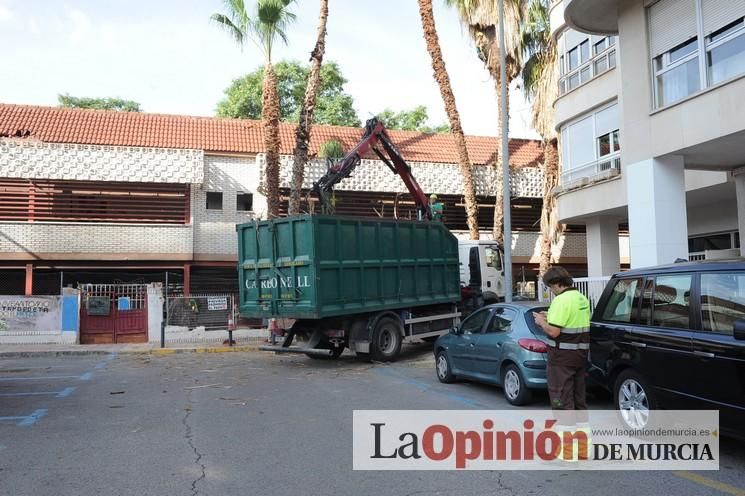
column 570, row 311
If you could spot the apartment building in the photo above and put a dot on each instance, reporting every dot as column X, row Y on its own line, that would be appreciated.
column 108, row 197
column 653, row 138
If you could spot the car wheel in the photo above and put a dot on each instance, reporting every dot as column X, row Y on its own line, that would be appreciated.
column 634, row 399
column 515, row 390
column 386, row 340
column 443, row 369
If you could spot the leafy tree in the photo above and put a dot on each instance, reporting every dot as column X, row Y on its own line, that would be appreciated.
column 411, row 120
column 267, row 23
column 331, row 149
column 333, row 105
column 117, row 104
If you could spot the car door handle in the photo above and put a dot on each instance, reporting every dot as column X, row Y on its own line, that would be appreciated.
column 637, row 344
column 471, row 345
column 704, row 354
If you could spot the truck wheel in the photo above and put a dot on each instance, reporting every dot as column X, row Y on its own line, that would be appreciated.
column 386, row 340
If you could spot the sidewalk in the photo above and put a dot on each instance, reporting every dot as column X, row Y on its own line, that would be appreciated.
column 207, row 345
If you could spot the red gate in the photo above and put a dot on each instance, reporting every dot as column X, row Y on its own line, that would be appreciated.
column 113, row 313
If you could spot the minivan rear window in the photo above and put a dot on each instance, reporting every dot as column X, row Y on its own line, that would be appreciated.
column 722, row 301
column 670, row 302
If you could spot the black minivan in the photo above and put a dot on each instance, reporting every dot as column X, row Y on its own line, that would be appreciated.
column 673, row 337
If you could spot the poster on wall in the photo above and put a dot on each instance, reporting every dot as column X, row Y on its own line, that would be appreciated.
column 29, row 314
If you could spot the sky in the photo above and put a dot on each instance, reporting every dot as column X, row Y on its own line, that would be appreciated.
column 168, row 56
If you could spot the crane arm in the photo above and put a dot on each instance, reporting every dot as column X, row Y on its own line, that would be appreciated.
column 375, row 138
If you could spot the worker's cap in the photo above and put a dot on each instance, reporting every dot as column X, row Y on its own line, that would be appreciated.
column 433, row 196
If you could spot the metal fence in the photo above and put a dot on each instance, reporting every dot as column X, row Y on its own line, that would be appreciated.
column 591, row 287
column 214, row 312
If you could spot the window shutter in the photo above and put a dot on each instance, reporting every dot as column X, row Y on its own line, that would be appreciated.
column 719, row 13
column 671, row 22
column 606, row 121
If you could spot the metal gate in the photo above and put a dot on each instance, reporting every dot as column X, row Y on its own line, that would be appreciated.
column 113, row 313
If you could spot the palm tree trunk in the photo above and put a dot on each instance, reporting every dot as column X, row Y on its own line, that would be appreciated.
column 302, row 133
column 497, row 228
column 270, row 116
column 443, row 80
column 551, row 230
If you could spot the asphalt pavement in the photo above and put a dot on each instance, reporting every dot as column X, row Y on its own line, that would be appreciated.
column 254, row 423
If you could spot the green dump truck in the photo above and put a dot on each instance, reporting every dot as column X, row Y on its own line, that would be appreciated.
column 363, row 283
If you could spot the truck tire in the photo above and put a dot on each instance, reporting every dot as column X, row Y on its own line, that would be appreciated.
column 386, row 340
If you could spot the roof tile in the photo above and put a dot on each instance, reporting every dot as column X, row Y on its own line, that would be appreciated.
column 214, row 134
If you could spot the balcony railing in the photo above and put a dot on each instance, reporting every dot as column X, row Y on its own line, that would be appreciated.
column 609, row 165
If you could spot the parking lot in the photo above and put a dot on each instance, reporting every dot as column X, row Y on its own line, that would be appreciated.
column 256, row 423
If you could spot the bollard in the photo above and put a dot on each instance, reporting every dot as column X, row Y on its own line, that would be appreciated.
column 162, row 333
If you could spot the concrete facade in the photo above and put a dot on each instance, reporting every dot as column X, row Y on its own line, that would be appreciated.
column 674, row 180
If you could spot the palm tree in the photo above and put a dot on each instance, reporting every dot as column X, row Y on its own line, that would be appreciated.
column 443, row 80
column 268, row 23
column 302, row 133
column 481, row 18
column 540, row 76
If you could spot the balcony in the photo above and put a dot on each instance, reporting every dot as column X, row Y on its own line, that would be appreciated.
column 600, row 170
column 592, row 16
column 599, row 64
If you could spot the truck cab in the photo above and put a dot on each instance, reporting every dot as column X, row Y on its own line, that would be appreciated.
column 481, row 268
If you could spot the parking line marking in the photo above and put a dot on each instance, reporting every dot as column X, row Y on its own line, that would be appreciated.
column 27, row 420
column 86, row 377
column 714, row 484
column 59, row 394
column 41, row 378
column 31, row 419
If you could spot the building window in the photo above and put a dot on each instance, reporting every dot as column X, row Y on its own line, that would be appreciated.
column 725, row 52
column 677, row 73
column 591, row 145
column 244, row 202
column 695, row 44
column 214, row 200
column 583, row 57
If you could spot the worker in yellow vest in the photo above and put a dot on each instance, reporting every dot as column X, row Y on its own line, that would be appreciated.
column 567, row 325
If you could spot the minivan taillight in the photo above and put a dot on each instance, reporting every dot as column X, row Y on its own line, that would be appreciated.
column 535, row 345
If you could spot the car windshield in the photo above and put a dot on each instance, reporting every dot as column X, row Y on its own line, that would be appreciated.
column 531, row 321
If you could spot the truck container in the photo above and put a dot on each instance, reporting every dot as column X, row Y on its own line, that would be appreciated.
column 364, row 283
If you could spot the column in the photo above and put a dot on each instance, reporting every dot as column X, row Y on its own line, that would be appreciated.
column 603, row 256
column 740, row 189
column 658, row 224
column 187, row 279
column 29, row 280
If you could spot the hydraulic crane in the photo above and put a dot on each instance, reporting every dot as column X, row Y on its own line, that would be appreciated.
column 375, row 138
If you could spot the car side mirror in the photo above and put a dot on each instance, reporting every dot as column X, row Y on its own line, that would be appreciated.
column 739, row 330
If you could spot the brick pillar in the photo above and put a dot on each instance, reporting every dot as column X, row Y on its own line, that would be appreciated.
column 187, row 279
column 29, row 280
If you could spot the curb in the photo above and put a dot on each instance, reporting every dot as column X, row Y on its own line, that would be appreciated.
column 148, row 351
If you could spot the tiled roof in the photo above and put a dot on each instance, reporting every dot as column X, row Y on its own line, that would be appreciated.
column 211, row 134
